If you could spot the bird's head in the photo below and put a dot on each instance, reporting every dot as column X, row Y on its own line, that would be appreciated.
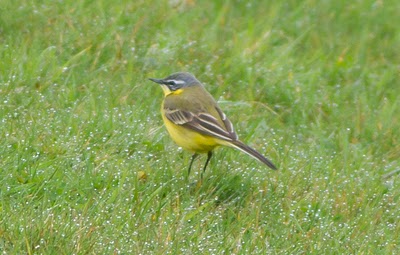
column 176, row 81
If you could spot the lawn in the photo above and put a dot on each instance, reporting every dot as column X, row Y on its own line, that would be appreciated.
column 87, row 167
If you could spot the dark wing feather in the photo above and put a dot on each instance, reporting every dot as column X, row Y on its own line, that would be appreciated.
column 228, row 124
column 203, row 123
column 178, row 117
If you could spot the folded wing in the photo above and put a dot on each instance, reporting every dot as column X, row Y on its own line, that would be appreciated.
column 203, row 123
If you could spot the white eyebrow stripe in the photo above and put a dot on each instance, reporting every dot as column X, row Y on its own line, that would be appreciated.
column 177, row 81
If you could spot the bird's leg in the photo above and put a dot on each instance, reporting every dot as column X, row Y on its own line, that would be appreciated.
column 191, row 162
column 209, row 155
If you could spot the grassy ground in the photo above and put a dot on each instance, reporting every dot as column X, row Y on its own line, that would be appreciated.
column 88, row 168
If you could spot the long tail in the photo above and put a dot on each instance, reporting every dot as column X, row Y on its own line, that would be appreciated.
column 252, row 152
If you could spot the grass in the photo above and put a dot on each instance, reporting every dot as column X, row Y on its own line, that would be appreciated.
column 88, row 168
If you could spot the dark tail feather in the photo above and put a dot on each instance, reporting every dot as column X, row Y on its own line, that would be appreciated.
column 252, row 152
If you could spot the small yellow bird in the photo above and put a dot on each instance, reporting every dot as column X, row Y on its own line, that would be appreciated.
column 195, row 121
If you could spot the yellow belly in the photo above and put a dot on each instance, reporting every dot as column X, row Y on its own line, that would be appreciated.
column 190, row 140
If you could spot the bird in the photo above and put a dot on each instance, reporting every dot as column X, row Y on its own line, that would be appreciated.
column 194, row 120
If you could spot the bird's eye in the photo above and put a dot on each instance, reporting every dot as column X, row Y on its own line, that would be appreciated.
column 171, row 83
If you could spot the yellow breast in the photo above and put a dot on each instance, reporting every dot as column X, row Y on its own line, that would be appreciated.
column 190, row 140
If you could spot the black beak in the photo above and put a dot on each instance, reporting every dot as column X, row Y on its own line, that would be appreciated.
column 159, row 81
